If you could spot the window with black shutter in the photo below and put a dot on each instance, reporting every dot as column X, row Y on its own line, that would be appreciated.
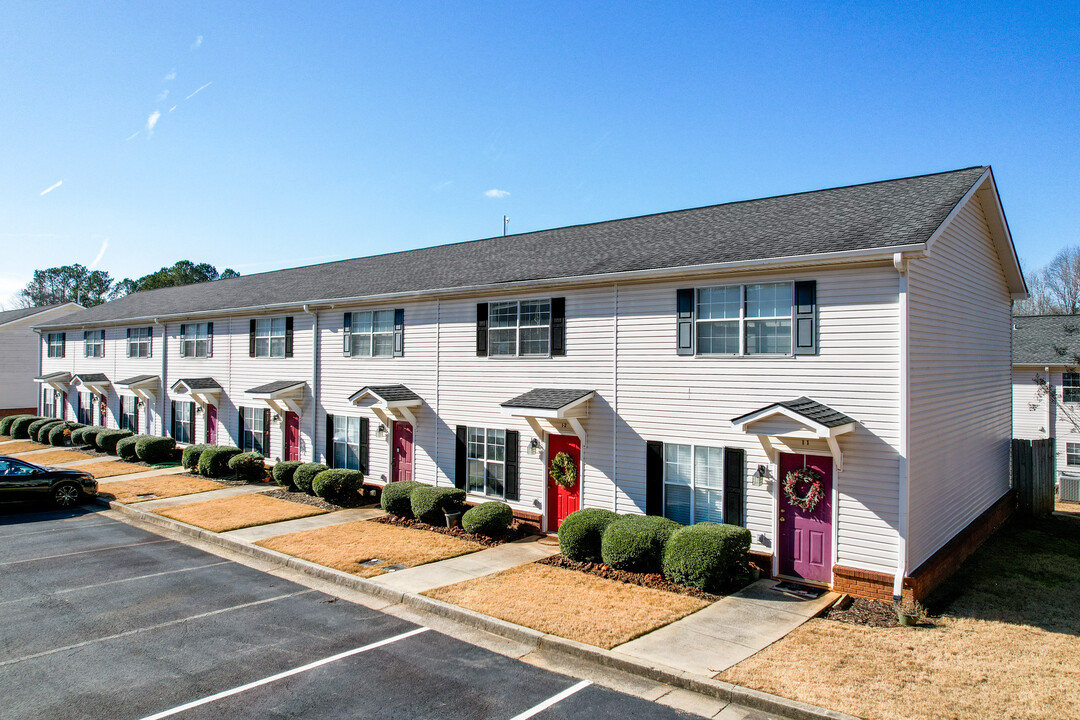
column 734, row 480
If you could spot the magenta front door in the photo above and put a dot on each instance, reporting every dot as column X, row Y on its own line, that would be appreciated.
column 563, row 501
column 805, row 545
column 403, row 452
column 211, row 424
column 292, row 436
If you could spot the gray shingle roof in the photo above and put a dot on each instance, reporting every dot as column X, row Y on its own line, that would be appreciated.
column 1046, row 340
column 546, row 398
column 91, row 377
column 54, row 376
column 390, row 393
column 7, row 316
column 202, row 383
column 137, row 379
column 876, row 215
column 276, row 386
column 809, row 409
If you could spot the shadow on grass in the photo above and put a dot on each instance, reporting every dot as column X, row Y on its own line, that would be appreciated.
column 1026, row 574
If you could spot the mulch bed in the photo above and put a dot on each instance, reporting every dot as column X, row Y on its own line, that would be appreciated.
column 649, row 580
column 517, row 531
column 871, row 613
column 304, row 499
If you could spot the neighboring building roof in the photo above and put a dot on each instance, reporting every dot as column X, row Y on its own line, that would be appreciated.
column 1046, row 340
column 387, row 393
column 874, row 216
column 8, row 316
column 546, row 398
column 810, row 409
column 276, row 387
column 203, row 383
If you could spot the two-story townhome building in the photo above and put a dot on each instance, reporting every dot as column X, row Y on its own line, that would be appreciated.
column 687, row 363
column 18, row 354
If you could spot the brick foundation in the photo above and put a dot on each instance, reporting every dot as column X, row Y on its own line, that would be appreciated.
column 17, row 411
column 863, row 583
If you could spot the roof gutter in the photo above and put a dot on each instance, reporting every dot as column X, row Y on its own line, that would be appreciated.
column 813, row 260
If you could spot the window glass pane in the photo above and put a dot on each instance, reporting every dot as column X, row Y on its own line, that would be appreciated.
column 718, row 338
column 708, row 505
column 677, row 503
column 502, row 314
column 677, row 464
column 502, row 342
column 262, row 347
column 534, row 341
column 773, row 300
column 708, row 467
column 361, row 345
column 352, row 459
column 1070, row 387
column 496, row 445
column 476, row 476
column 277, row 347
column 494, row 484
column 383, row 345
column 354, row 430
column 262, row 327
column 768, row 336
column 277, row 326
column 341, row 429
column 340, row 460
column 718, row 302
column 383, row 321
column 361, row 322
column 535, row 312
column 476, row 443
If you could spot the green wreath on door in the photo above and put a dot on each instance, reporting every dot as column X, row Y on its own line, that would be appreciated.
column 563, row 471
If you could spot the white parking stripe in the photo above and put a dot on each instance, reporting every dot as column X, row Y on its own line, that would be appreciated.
column 83, row 552
column 114, row 582
column 537, row 709
column 281, row 675
column 58, row 529
column 136, row 631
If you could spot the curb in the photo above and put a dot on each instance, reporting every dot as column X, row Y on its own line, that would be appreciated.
column 725, row 692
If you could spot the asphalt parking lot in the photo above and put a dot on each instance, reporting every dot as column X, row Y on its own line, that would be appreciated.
column 105, row 620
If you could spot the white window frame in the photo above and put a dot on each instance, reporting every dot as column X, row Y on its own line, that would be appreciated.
column 48, row 402
column 129, row 420
column 94, row 344
column 55, row 345
column 694, row 485
column 249, row 430
column 1072, row 453
column 743, row 319
column 88, row 419
column 138, row 342
column 517, row 328
column 489, row 460
column 195, row 342
column 370, row 335
column 344, row 426
column 269, row 337
column 1070, row 386
column 179, row 413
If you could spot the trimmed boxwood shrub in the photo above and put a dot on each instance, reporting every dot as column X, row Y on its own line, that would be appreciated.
column 429, row 503
column 636, row 542
column 125, row 447
column 581, row 532
column 86, row 436
column 20, row 429
column 707, row 555
column 60, row 435
column 397, row 497
column 248, row 466
column 34, row 427
column 282, row 473
column 155, row 449
column 106, row 439
column 214, row 461
column 305, row 474
column 5, row 423
column 339, row 486
column 190, row 457
column 39, row 431
column 491, row 519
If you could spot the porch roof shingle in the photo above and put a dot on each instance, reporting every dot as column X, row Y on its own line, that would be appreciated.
column 546, row 398
column 136, row 380
column 202, row 383
column 810, row 409
column 274, row 387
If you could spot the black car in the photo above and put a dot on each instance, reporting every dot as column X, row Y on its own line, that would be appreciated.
column 65, row 487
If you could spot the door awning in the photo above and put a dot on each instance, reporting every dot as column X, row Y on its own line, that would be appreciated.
column 560, row 408
column 143, row 387
column 204, row 390
column 57, row 380
column 96, row 383
column 389, row 402
column 281, row 396
column 801, row 418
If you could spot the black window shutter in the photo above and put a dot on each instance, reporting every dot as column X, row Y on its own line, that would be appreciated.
column 251, row 338
column 364, row 449
column 135, row 429
column 149, row 342
column 63, row 344
column 684, row 310
column 558, row 326
column 734, row 479
column 346, row 345
column 266, row 432
column 461, row 456
column 511, row 465
column 209, row 339
column 805, row 312
column 288, row 336
column 654, row 478
column 240, row 428
column 102, row 343
column 129, row 341
column 172, row 420
column 183, row 336
column 399, row 332
column 85, row 347
column 329, row 440
column 481, row 329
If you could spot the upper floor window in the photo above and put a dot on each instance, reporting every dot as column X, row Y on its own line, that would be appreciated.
column 55, row 344
column 1070, row 387
column 93, row 343
column 139, row 342
column 521, row 328
column 750, row 319
column 271, row 337
column 1072, row 453
column 375, row 333
column 197, row 340
column 693, row 483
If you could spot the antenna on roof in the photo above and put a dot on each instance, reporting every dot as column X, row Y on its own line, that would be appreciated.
column 506, row 220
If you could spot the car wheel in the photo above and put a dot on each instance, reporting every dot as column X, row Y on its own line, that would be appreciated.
column 66, row 495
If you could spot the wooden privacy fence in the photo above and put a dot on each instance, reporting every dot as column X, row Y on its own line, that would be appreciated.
column 1033, row 476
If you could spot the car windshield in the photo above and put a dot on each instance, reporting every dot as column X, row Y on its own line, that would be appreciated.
column 9, row 466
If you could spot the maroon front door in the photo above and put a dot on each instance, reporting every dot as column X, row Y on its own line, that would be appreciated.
column 292, row 436
column 806, row 537
column 103, row 405
column 403, row 452
column 562, row 502
column 211, row 424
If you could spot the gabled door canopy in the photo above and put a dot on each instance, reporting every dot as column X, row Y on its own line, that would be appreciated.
column 281, row 396
column 96, row 383
column 389, row 402
column 143, row 387
column 552, row 405
column 58, row 381
column 802, row 418
column 204, row 391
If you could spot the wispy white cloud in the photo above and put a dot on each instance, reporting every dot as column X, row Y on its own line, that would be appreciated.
column 152, row 121
column 173, row 108
column 134, row 135
column 197, row 44
column 495, row 193
column 199, row 90
column 52, row 187
column 163, row 94
column 101, row 254
column 170, row 76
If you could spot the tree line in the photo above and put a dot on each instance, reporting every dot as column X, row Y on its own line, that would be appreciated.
column 77, row 283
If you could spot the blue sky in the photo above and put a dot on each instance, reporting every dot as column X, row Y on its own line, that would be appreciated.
column 259, row 136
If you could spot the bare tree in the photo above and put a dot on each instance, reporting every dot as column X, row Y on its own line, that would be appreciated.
column 1054, row 289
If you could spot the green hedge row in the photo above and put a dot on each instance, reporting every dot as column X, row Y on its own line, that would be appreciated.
column 490, row 519
column 428, row 504
column 339, row 486
column 214, row 461
column 248, row 466
column 20, row 426
column 190, row 457
column 304, row 476
column 60, row 435
column 283, row 472
column 106, row 440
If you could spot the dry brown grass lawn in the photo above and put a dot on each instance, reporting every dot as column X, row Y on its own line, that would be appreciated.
column 164, row 486
column 570, row 604
column 58, row 456
column 1068, row 507
column 239, row 511
column 1008, row 647
column 112, row 468
column 346, row 546
column 22, row 446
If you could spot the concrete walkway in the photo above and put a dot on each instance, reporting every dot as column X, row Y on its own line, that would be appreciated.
column 151, row 505
column 728, row 631
column 150, row 472
column 466, row 567
column 261, row 532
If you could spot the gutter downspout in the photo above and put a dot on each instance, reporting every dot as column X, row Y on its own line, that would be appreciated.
column 314, row 377
column 40, row 349
column 164, row 383
column 904, row 478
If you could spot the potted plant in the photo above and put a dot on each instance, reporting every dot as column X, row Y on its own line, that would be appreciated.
column 453, row 519
column 909, row 612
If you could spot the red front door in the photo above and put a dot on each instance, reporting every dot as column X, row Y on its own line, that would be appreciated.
column 562, row 502
column 806, row 537
column 211, row 424
column 403, row 452
column 103, row 405
column 292, row 436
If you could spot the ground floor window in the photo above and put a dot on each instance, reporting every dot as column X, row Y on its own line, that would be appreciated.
column 86, row 410
column 183, row 421
column 129, row 418
column 48, row 402
column 346, row 442
column 487, row 461
column 1072, row 453
column 255, row 430
column 693, row 483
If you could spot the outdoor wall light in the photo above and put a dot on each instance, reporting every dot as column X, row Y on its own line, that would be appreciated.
column 381, row 431
column 761, row 475
column 534, row 447
column 198, row 409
